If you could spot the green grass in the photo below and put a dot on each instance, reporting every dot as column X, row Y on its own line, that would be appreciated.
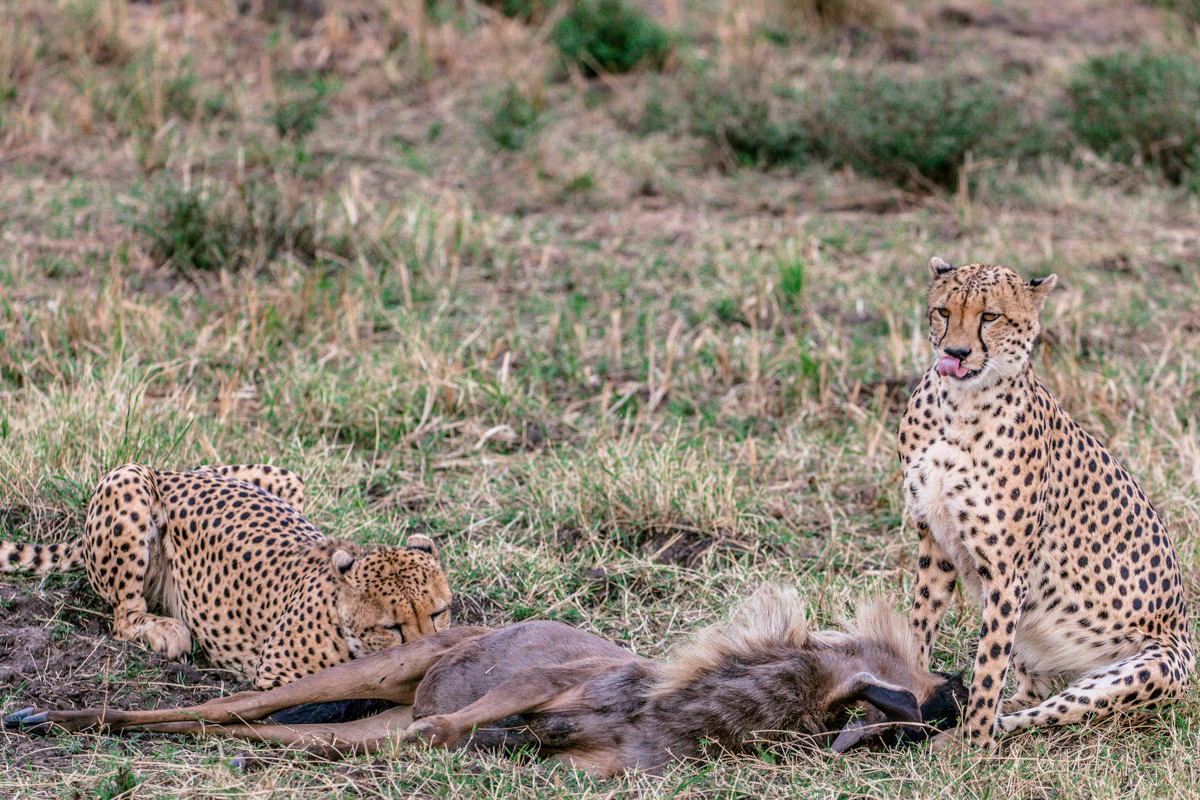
column 625, row 346
column 516, row 118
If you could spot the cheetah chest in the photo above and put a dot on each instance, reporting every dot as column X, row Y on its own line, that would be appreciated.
column 940, row 490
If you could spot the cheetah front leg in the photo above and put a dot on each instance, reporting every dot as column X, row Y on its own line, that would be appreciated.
column 936, row 577
column 123, row 557
column 1001, row 610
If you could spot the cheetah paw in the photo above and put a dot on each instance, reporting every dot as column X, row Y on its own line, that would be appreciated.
column 165, row 635
column 944, row 740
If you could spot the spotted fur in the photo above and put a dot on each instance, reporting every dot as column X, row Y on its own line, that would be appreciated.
column 1069, row 562
column 226, row 554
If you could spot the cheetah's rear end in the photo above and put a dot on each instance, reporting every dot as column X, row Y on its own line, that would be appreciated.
column 1069, row 562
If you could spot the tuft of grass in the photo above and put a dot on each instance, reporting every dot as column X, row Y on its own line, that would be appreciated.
column 1140, row 107
column 791, row 281
column 147, row 93
column 301, row 104
column 613, row 36
column 635, row 492
column 95, row 32
column 122, row 783
column 19, row 46
column 194, row 231
column 517, row 117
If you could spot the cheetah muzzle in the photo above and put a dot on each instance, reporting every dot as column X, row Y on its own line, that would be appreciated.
column 1071, row 566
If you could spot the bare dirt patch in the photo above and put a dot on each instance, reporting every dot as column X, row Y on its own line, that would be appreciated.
column 55, row 652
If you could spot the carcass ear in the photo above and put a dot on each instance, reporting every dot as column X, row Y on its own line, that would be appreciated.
column 897, row 703
column 938, row 268
column 858, row 729
column 888, row 704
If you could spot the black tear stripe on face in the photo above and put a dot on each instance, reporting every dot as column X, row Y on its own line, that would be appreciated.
column 945, row 329
column 982, row 343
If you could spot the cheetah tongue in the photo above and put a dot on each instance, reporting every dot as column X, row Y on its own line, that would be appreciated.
column 949, row 365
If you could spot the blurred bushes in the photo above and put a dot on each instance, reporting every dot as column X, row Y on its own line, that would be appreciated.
column 737, row 114
column 531, row 11
column 1140, row 108
column 615, row 36
column 918, row 133
column 914, row 133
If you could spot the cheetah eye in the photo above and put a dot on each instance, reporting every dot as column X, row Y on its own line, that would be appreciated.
column 988, row 317
column 944, row 312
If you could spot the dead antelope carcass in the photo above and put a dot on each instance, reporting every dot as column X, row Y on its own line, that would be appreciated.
column 759, row 680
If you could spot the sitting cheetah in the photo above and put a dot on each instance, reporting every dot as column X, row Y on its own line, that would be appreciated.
column 225, row 552
column 1069, row 562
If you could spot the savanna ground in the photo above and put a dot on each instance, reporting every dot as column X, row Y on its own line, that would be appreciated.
column 626, row 345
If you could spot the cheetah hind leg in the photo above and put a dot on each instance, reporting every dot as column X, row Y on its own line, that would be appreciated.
column 122, row 531
column 1157, row 674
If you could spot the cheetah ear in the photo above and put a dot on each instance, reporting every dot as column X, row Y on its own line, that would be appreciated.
column 342, row 562
column 938, row 268
column 1040, row 289
column 422, row 543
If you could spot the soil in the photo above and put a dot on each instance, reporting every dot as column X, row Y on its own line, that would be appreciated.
column 56, row 652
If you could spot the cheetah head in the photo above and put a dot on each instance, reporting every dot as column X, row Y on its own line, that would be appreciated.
column 391, row 595
column 983, row 320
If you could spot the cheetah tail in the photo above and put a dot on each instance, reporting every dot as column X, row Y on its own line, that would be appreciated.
column 41, row 558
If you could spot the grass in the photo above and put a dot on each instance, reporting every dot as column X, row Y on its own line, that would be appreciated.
column 251, row 227
column 622, row 373
column 516, row 118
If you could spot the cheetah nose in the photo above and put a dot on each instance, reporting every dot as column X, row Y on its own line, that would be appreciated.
column 958, row 353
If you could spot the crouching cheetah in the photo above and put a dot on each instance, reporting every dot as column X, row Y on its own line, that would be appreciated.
column 1071, row 566
column 226, row 554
